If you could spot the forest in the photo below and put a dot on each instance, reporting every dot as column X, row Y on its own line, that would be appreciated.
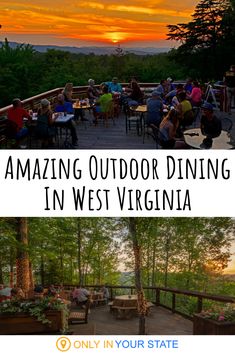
column 182, row 253
column 204, row 50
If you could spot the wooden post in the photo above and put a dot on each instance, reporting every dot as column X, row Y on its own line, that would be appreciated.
column 111, row 293
column 173, row 302
column 157, row 296
column 199, row 304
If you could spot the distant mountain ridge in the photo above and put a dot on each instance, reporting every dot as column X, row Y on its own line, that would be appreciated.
column 96, row 50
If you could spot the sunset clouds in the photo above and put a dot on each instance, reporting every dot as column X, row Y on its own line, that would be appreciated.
column 69, row 22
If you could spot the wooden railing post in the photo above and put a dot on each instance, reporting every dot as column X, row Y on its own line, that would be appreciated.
column 111, row 293
column 173, row 302
column 199, row 304
column 157, row 296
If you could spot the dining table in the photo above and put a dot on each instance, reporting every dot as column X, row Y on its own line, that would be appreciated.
column 96, row 295
column 195, row 139
column 82, row 105
column 124, row 306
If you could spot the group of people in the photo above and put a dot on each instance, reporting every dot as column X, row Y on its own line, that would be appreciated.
column 81, row 295
column 20, row 119
column 6, row 292
column 111, row 96
column 184, row 101
column 181, row 102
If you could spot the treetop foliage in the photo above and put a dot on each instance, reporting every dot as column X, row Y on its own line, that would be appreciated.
column 185, row 253
column 207, row 41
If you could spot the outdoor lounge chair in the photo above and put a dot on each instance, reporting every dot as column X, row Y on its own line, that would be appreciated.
column 79, row 317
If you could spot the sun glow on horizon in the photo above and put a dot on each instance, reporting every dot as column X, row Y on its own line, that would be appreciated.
column 83, row 22
column 115, row 37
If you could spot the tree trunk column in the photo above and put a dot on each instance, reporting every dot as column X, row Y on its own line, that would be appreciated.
column 22, row 261
column 141, row 302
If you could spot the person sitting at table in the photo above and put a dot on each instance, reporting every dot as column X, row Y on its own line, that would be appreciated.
column 16, row 115
column 38, row 291
column 68, row 92
column 80, row 295
column 2, row 294
column 135, row 97
column 185, row 110
column 38, row 288
column 162, row 88
column 196, row 95
column 114, row 86
column 45, row 128
column 154, row 109
column 188, row 85
column 62, row 106
column 17, row 293
column 68, row 99
column 105, row 292
column 210, row 125
column 169, row 87
column 5, row 291
column 167, row 131
column 92, row 92
column 179, row 88
column 103, row 104
column 52, row 292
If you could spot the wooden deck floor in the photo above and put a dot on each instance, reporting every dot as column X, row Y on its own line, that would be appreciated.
column 93, row 137
column 159, row 322
column 114, row 136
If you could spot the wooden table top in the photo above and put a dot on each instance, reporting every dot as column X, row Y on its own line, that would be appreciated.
column 81, row 106
column 140, row 108
column 125, row 301
column 194, row 138
column 97, row 295
column 126, row 297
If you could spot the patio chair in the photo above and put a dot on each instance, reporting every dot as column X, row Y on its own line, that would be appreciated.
column 227, row 124
column 10, row 134
column 80, row 317
column 132, row 120
column 156, row 135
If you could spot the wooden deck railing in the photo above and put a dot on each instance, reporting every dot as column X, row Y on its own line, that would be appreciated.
column 157, row 293
column 78, row 92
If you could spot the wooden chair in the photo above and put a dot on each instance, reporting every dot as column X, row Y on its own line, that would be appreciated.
column 132, row 120
column 155, row 134
column 79, row 317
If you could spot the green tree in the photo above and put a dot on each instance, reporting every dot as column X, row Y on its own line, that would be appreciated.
column 202, row 39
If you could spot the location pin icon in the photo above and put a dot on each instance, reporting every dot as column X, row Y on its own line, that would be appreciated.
column 63, row 343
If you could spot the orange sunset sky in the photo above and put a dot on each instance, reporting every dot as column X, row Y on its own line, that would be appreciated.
column 84, row 23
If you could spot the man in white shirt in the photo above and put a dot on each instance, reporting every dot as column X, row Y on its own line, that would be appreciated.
column 81, row 295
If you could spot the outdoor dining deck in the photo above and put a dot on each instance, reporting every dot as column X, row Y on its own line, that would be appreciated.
column 164, row 318
column 159, row 322
column 101, row 136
